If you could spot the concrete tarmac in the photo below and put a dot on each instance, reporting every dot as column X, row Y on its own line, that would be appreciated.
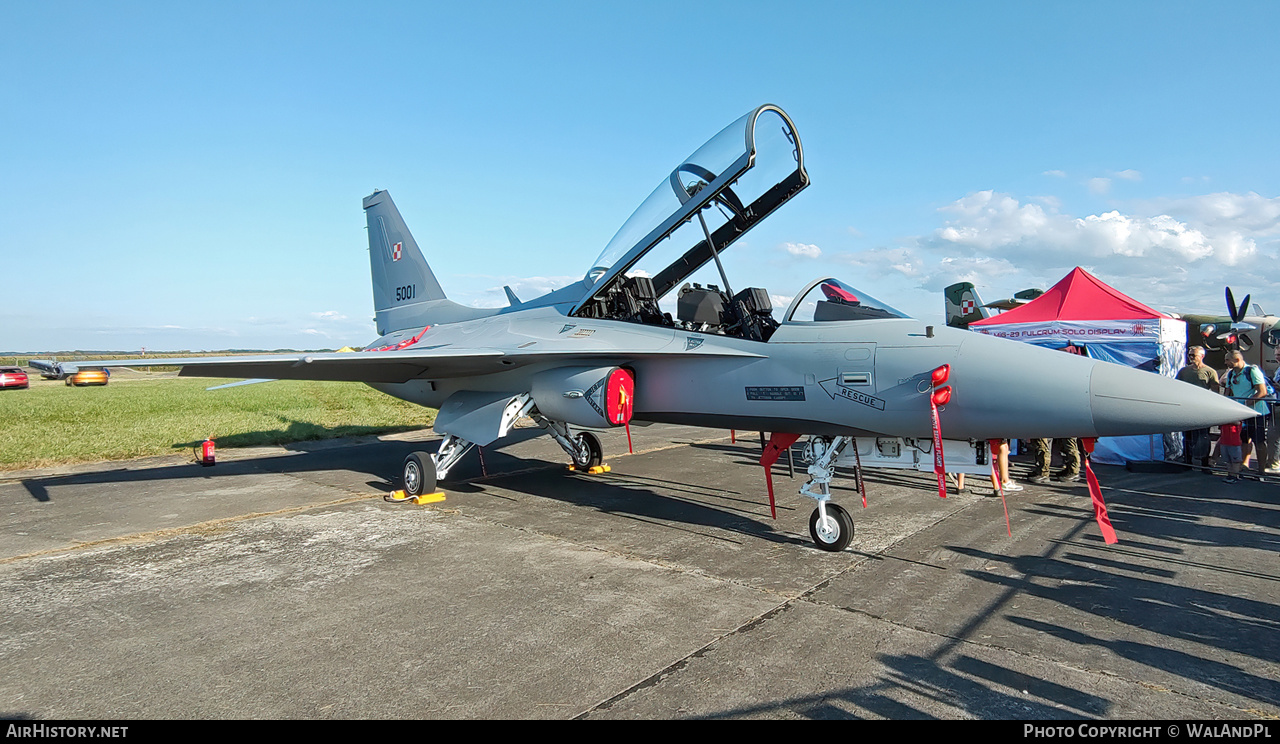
column 279, row 584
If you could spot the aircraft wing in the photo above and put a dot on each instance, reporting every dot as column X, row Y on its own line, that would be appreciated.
column 376, row 366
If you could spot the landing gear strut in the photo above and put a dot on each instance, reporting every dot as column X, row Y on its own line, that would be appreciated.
column 830, row 525
column 422, row 470
column 583, row 448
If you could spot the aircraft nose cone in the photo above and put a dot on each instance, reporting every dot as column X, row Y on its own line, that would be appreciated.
column 1127, row 401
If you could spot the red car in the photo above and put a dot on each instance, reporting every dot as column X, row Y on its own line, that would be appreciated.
column 13, row 377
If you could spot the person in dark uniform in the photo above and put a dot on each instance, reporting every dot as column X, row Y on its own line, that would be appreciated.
column 1042, row 449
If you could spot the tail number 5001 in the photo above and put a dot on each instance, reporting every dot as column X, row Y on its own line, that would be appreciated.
column 406, row 293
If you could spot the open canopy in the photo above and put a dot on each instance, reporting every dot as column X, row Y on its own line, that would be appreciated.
column 703, row 206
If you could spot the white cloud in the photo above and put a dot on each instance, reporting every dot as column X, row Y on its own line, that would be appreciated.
column 1175, row 254
column 995, row 223
column 1055, row 173
column 1052, row 202
column 1099, row 185
column 807, row 250
column 1129, row 175
column 1249, row 212
column 329, row 315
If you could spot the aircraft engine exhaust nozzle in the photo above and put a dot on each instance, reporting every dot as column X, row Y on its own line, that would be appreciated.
column 1126, row 401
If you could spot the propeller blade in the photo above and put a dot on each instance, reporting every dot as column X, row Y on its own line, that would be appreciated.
column 1231, row 305
column 1245, row 342
column 1244, row 305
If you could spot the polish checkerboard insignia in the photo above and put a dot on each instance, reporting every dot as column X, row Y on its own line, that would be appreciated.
column 966, row 306
column 396, row 251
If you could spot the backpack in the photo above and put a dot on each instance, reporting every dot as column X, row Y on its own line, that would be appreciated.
column 1271, row 388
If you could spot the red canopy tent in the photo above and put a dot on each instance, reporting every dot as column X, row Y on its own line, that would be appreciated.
column 1079, row 296
column 1111, row 326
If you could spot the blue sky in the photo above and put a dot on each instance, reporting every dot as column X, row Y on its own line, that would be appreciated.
column 178, row 176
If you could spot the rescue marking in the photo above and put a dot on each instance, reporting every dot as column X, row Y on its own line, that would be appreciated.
column 850, row 394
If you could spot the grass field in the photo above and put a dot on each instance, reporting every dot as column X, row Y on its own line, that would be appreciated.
column 52, row 424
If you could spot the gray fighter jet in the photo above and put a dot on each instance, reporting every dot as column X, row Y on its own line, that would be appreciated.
column 858, row 377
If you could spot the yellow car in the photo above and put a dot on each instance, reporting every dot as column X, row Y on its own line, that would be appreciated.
column 89, row 377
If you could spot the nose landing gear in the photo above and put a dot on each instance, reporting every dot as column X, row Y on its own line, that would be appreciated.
column 831, row 527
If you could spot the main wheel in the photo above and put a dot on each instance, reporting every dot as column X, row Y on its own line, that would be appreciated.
column 589, row 451
column 419, row 474
column 833, row 533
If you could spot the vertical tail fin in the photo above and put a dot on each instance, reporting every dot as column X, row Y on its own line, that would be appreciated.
column 963, row 305
column 402, row 280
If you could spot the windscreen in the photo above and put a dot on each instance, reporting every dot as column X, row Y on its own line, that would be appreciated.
column 831, row 300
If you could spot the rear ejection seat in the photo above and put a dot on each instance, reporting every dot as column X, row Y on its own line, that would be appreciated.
column 748, row 315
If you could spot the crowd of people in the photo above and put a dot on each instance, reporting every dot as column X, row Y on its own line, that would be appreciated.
column 1251, row 444
column 1244, row 444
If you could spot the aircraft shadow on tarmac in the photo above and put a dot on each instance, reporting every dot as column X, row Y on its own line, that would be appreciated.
column 379, row 459
column 296, row 435
column 985, row 690
column 967, row 682
column 655, row 500
column 1176, row 628
column 651, row 499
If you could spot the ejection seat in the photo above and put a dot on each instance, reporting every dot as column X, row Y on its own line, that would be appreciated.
column 748, row 315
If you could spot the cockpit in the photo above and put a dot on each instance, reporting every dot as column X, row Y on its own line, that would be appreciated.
column 830, row 299
column 705, row 205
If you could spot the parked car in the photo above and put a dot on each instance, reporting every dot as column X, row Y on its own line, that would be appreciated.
column 89, row 377
column 13, row 377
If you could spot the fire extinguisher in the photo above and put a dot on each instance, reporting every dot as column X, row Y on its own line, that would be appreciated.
column 207, row 457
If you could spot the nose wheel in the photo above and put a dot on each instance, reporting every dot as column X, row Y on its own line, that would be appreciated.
column 833, row 530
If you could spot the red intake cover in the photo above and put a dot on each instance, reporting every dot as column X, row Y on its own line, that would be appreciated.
column 619, row 397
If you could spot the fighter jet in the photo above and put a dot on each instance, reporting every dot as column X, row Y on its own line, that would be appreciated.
column 862, row 380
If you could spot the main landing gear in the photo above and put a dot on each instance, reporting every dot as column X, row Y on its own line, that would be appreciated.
column 584, row 448
column 423, row 471
column 830, row 525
